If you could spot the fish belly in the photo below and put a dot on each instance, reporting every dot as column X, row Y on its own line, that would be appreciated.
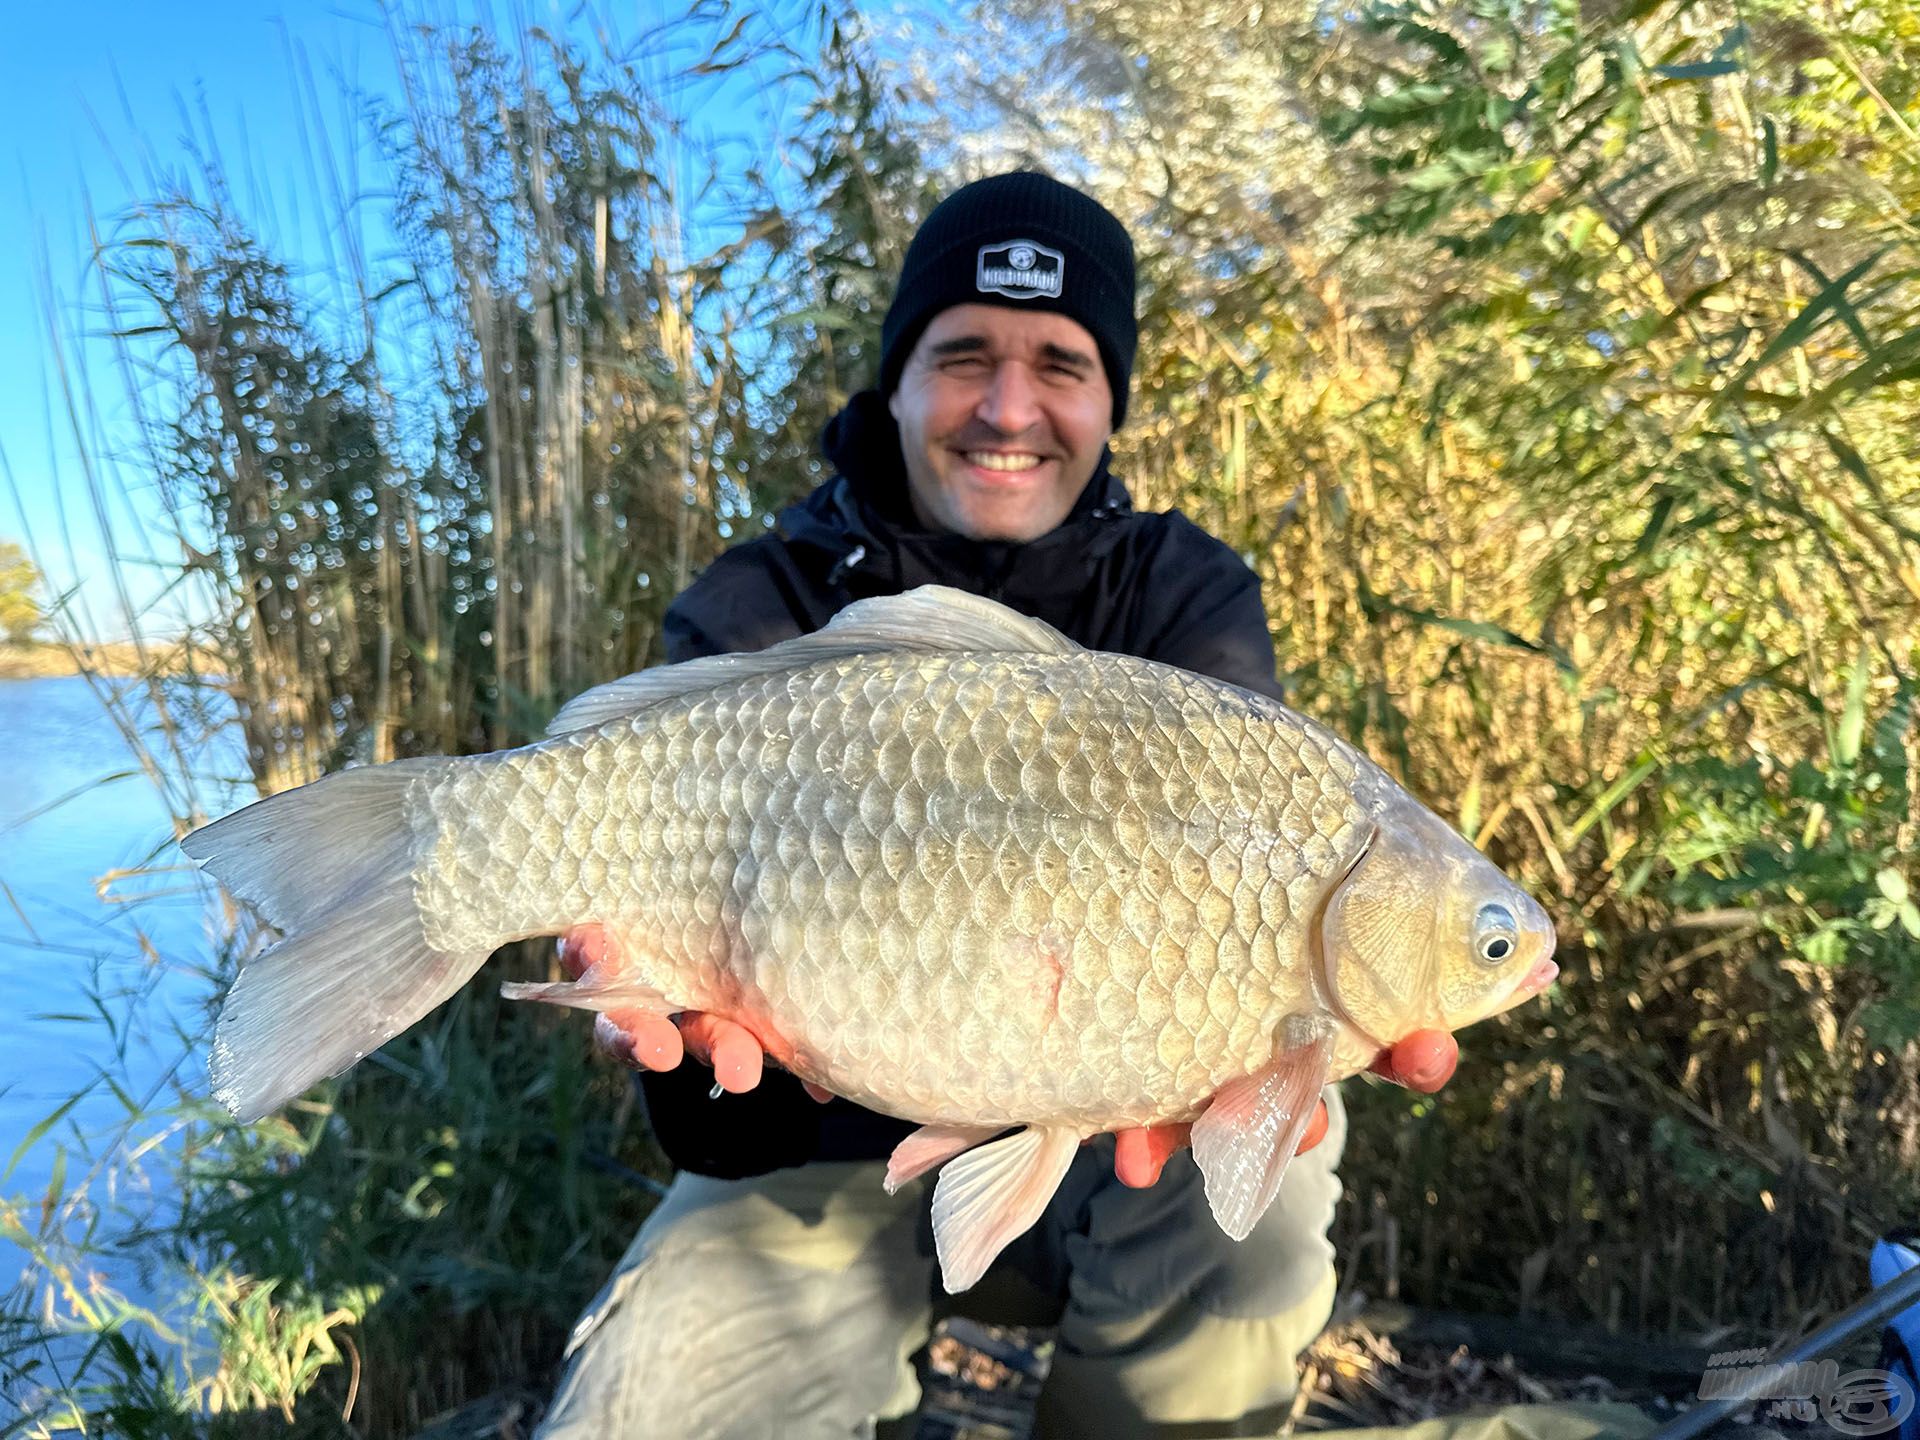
column 965, row 888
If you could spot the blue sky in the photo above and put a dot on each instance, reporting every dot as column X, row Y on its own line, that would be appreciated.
column 96, row 98
column 100, row 100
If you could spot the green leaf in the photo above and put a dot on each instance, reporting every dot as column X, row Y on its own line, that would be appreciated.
column 33, row 1135
column 57, row 1182
column 1656, row 522
column 1910, row 919
column 1832, row 299
column 1825, row 947
column 391, row 288
column 1698, row 70
column 1443, row 45
column 1850, row 458
column 1438, row 176
column 1853, row 718
column 1890, row 364
column 1769, row 150
column 1893, row 885
column 1610, row 797
column 127, row 1102
column 1481, row 630
column 1659, row 202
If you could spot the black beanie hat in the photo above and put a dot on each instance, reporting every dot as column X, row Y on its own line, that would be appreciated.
column 1027, row 242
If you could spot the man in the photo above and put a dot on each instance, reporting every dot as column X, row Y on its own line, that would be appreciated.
column 778, row 1290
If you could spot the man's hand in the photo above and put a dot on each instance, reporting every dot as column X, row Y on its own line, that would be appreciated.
column 655, row 1042
column 1422, row 1061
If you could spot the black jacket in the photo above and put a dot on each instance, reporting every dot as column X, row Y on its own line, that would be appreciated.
column 1156, row 586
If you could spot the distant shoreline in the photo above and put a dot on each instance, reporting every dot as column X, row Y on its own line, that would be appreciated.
column 117, row 661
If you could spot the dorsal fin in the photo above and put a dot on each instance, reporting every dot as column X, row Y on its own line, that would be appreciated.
column 933, row 617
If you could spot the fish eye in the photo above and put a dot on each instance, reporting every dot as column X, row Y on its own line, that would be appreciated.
column 1495, row 935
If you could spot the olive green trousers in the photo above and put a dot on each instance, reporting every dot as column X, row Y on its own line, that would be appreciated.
column 791, row 1305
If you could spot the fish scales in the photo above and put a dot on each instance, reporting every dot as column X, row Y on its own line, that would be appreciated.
column 972, row 888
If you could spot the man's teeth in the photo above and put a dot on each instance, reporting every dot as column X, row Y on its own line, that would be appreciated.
column 994, row 460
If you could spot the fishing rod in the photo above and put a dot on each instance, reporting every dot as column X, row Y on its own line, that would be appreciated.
column 1876, row 1306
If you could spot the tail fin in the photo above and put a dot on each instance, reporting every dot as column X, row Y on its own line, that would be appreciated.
column 331, row 866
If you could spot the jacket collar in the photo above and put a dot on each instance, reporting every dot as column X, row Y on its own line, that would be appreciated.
column 866, row 506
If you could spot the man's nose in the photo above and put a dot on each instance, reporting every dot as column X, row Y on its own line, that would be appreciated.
column 1010, row 404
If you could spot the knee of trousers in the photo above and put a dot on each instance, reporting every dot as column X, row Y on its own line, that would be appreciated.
column 1145, row 1249
column 787, row 1304
column 1185, row 1372
column 1172, row 1322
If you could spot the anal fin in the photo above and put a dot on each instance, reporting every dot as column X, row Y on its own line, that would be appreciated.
column 991, row 1194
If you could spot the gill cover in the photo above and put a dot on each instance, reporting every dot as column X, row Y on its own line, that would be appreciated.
column 1378, row 939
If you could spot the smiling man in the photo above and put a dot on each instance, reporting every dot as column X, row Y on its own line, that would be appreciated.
column 1003, row 417
column 778, row 1289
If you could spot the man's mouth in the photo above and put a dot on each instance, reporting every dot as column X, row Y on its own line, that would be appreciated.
column 1002, row 462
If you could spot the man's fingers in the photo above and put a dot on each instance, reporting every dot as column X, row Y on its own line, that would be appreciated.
column 697, row 1029
column 735, row 1055
column 582, row 947
column 648, row 1041
column 1423, row 1061
column 656, row 1040
column 1133, row 1160
column 639, row 1038
column 1316, row 1129
column 1141, row 1153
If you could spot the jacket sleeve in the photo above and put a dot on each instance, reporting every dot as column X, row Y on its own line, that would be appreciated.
column 1208, row 614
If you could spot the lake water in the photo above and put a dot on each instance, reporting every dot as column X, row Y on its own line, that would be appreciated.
column 67, row 954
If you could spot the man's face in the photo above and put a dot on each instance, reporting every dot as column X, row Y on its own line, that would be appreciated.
column 1002, row 414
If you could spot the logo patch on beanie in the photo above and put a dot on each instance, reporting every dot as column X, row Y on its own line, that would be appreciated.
column 1020, row 270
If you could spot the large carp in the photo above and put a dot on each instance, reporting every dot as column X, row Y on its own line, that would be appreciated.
column 941, row 860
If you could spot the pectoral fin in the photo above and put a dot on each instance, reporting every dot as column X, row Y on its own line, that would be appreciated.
column 990, row 1194
column 1245, row 1138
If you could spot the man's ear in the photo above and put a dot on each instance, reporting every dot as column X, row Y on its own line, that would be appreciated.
column 893, row 403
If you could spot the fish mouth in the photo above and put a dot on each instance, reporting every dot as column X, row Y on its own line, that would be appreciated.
column 1537, row 979
column 1544, row 969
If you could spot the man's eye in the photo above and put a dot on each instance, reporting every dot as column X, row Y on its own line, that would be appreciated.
column 964, row 364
